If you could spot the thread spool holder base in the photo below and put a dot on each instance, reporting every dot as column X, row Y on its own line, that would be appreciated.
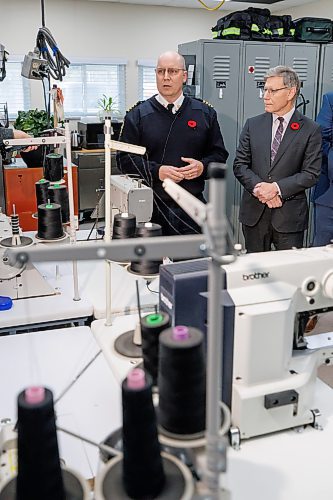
column 75, row 486
column 185, row 455
column 125, row 346
column 179, row 481
column 25, row 241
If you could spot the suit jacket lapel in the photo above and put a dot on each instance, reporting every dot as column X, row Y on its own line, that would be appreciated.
column 289, row 136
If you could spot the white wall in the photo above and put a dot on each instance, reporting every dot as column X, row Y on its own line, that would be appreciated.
column 322, row 8
column 101, row 29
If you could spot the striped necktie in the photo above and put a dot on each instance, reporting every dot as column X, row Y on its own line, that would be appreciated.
column 277, row 139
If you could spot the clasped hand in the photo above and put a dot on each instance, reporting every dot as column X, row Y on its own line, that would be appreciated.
column 267, row 193
column 191, row 171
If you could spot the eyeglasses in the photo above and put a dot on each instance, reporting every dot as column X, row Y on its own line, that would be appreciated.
column 170, row 71
column 273, row 91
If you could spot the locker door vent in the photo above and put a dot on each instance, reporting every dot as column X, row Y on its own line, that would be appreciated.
column 300, row 65
column 221, row 69
column 262, row 65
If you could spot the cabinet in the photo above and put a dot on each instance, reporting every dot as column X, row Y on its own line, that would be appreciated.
column 19, row 182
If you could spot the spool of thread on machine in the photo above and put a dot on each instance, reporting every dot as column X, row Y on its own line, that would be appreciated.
column 58, row 193
column 151, row 327
column 40, row 476
column 41, row 187
column 54, row 167
column 124, row 226
column 49, row 222
column 182, row 382
column 39, row 473
column 143, row 472
column 145, row 267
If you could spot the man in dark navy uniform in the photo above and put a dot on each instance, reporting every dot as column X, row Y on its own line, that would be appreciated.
column 181, row 135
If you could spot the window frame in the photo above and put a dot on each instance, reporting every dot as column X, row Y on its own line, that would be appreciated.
column 145, row 64
column 26, row 88
column 121, row 84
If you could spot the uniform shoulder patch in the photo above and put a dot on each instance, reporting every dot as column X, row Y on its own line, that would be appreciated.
column 134, row 106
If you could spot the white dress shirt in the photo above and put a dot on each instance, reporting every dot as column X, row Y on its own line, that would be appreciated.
column 176, row 104
column 276, row 122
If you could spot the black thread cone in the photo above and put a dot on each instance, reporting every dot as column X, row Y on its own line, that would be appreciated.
column 182, row 382
column 151, row 327
column 39, row 473
column 49, row 221
column 146, row 267
column 58, row 194
column 54, row 167
column 124, row 226
column 42, row 191
column 143, row 474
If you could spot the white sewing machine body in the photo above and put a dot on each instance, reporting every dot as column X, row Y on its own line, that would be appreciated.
column 274, row 367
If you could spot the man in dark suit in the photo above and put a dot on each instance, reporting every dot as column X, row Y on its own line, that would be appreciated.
column 323, row 191
column 278, row 158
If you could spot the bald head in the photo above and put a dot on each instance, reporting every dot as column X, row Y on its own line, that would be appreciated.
column 170, row 75
column 171, row 59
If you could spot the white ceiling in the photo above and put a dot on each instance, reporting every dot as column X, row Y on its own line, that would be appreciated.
column 228, row 5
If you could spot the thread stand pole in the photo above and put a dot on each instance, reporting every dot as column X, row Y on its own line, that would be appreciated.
column 217, row 226
column 107, row 237
column 72, row 230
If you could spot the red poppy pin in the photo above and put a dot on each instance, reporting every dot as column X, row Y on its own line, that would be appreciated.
column 192, row 123
column 294, row 126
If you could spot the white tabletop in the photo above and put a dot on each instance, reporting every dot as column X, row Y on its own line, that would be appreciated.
column 53, row 358
column 92, row 286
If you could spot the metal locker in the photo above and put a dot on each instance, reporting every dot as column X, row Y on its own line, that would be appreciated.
column 230, row 75
column 305, row 61
column 221, row 86
column 217, row 80
column 326, row 73
column 258, row 58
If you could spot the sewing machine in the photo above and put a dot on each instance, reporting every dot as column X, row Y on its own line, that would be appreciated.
column 128, row 195
column 18, row 281
column 268, row 304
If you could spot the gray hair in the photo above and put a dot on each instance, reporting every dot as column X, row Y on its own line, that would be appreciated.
column 290, row 77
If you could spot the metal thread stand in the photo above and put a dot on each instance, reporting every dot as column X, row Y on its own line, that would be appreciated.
column 64, row 139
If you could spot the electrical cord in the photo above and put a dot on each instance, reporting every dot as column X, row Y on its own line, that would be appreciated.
column 304, row 103
column 47, row 46
column 147, row 285
column 212, row 9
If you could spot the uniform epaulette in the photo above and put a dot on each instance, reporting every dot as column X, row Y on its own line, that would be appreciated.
column 134, row 106
column 205, row 102
column 208, row 103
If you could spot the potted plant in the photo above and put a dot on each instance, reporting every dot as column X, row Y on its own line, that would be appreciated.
column 33, row 122
column 107, row 107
